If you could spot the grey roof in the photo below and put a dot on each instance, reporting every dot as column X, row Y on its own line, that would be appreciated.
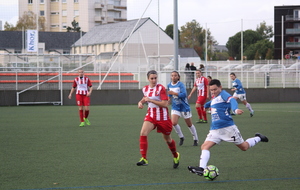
column 220, row 48
column 110, row 33
column 187, row 52
column 52, row 40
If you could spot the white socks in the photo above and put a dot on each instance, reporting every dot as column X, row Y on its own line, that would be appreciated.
column 194, row 132
column 253, row 141
column 178, row 131
column 249, row 107
column 205, row 155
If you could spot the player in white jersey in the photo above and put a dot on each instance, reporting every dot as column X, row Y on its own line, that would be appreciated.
column 180, row 107
column 83, row 87
column 157, row 117
column 222, row 126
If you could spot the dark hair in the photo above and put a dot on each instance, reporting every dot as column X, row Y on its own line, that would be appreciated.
column 215, row 82
column 177, row 74
column 209, row 77
column 232, row 74
column 151, row 72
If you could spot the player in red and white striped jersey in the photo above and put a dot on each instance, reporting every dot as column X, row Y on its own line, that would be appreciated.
column 157, row 117
column 83, row 87
column 201, row 85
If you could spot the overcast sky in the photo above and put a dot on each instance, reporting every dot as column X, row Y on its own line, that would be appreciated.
column 223, row 18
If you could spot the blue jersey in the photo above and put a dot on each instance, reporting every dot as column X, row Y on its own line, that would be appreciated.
column 220, row 110
column 236, row 83
column 180, row 102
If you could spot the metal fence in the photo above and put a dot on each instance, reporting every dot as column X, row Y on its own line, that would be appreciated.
column 117, row 73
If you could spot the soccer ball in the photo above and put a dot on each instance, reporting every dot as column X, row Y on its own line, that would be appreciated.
column 211, row 172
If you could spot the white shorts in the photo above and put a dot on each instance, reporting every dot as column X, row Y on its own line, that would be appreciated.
column 185, row 115
column 242, row 97
column 228, row 134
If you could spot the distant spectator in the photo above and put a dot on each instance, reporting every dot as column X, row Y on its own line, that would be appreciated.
column 201, row 67
column 188, row 76
column 193, row 68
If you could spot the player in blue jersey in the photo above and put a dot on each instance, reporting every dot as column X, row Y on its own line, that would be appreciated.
column 240, row 93
column 180, row 107
column 222, row 126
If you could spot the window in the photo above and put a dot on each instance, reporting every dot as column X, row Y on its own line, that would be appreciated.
column 54, row 26
column 41, row 50
column 64, row 1
column 29, row 1
column 42, row 13
column 54, row 0
column 42, row 1
column 18, row 51
column 76, row 1
column 54, row 13
column 64, row 12
column 64, row 25
column 76, row 12
column 66, row 51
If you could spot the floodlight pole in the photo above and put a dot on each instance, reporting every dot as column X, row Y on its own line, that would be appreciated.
column 175, row 35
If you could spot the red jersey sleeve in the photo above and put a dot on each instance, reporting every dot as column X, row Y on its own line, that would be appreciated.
column 74, row 84
column 163, row 93
column 89, row 84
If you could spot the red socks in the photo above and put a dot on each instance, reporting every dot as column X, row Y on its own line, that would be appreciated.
column 199, row 111
column 143, row 146
column 172, row 147
column 81, row 115
column 86, row 113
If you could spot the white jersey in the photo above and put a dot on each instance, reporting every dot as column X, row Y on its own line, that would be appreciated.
column 157, row 93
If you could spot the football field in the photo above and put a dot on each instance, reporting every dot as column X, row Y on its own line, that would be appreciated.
column 42, row 147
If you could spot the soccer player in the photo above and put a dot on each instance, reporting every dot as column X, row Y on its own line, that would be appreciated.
column 180, row 107
column 201, row 84
column 157, row 117
column 83, row 87
column 240, row 93
column 222, row 127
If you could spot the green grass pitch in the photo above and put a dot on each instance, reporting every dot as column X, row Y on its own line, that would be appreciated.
column 42, row 147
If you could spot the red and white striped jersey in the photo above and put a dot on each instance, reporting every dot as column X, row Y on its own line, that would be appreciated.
column 201, row 84
column 82, row 85
column 157, row 93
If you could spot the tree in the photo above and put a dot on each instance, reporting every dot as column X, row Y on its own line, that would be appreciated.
column 260, row 49
column 234, row 43
column 26, row 21
column 192, row 35
column 170, row 31
column 75, row 27
column 9, row 27
column 265, row 31
column 269, row 54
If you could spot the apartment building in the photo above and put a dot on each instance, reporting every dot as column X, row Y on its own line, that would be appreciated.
column 291, row 31
column 59, row 14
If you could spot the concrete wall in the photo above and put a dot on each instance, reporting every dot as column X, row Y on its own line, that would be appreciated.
column 123, row 97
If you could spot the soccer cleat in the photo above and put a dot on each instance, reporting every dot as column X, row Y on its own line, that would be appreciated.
column 195, row 143
column 204, row 121
column 81, row 124
column 263, row 138
column 181, row 141
column 176, row 161
column 252, row 114
column 196, row 170
column 142, row 162
column 200, row 121
column 87, row 121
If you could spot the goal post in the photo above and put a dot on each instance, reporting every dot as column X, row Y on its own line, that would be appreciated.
column 39, row 93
